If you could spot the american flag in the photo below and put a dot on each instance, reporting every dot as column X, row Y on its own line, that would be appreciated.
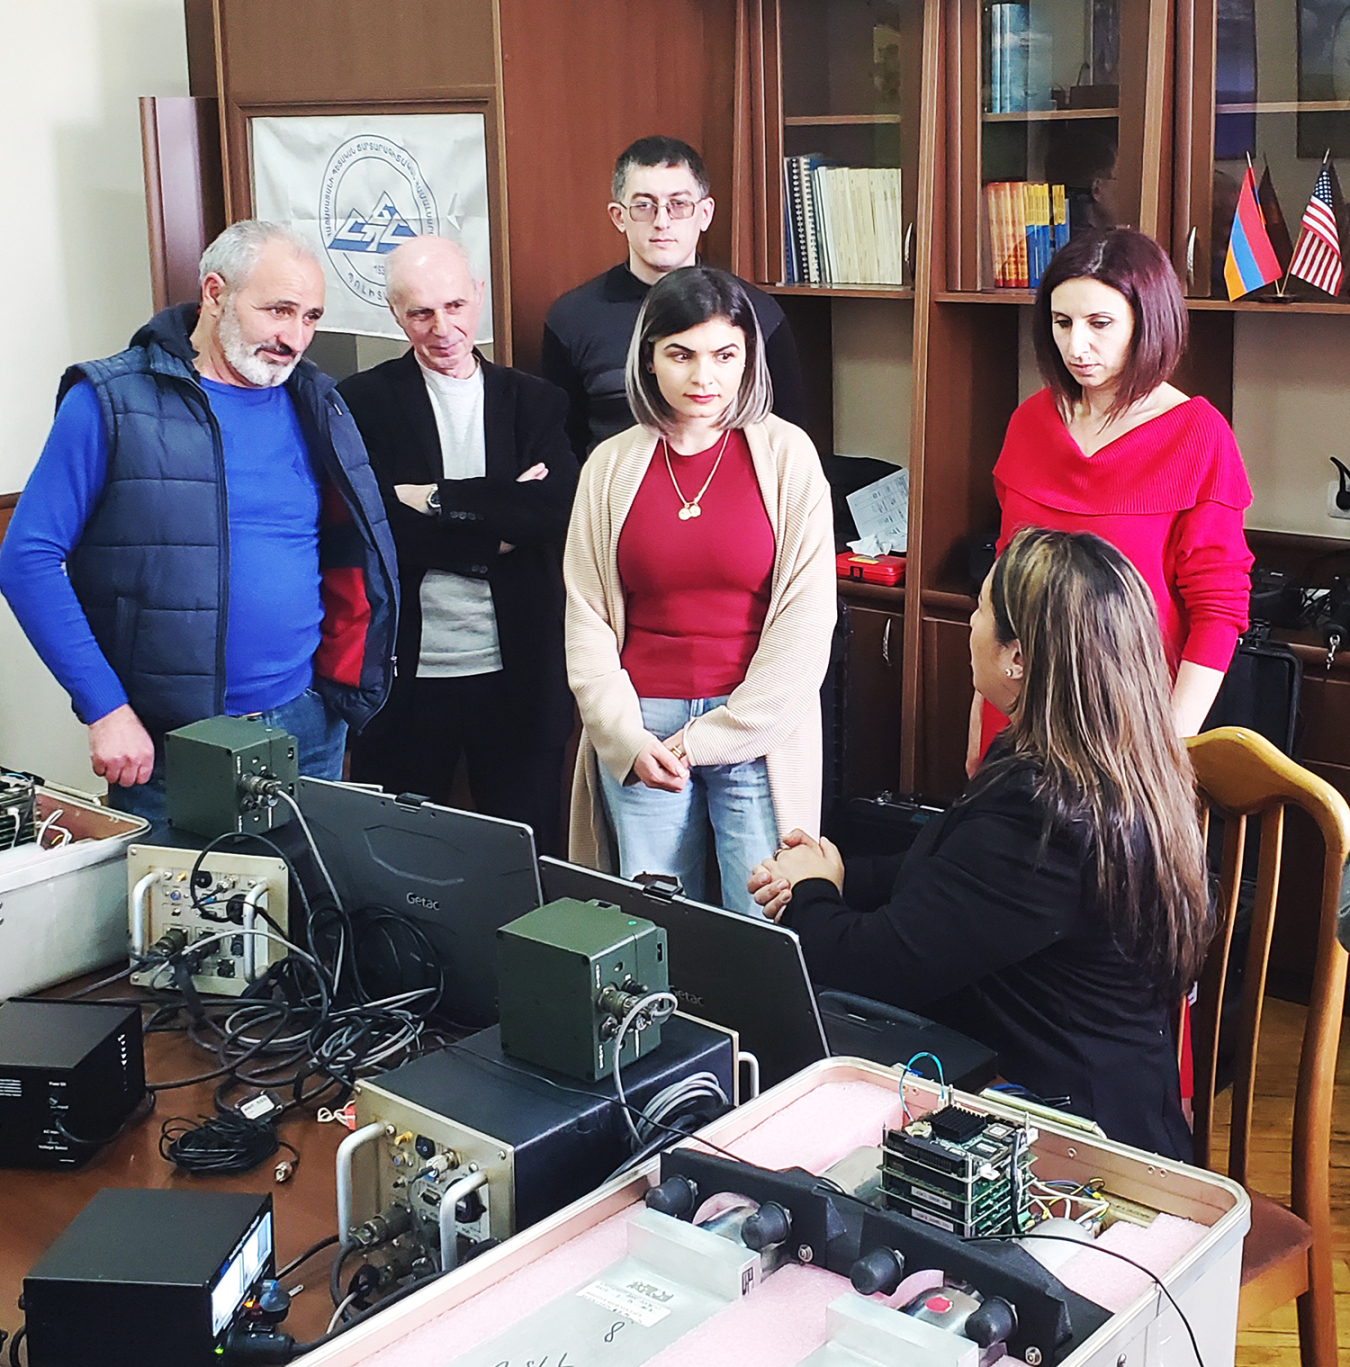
column 1317, row 258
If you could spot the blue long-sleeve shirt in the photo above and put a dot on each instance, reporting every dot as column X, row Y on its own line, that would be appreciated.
column 274, row 615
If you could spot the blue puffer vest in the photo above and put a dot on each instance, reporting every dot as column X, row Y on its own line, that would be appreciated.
column 152, row 567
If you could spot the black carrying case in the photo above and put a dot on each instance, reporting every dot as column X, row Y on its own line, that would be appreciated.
column 1260, row 691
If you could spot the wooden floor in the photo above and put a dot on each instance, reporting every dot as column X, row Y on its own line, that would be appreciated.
column 1275, row 1343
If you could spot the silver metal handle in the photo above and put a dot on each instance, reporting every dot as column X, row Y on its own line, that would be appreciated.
column 751, row 1063
column 886, row 641
column 136, row 907
column 345, row 1154
column 446, row 1222
column 908, row 250
column 1190, row 256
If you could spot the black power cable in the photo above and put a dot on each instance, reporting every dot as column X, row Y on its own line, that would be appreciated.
column 219, row 1145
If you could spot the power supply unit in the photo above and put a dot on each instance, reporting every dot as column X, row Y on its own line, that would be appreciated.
column 148, row 1279
column 70, row 1074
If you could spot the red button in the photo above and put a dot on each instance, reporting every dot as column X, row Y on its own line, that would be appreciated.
column 939, row 1305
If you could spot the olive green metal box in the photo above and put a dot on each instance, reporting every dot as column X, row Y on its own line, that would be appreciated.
column 205, row 765
column 568, row 975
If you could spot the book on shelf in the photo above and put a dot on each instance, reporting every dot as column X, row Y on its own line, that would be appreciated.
column 1019, row 60
column 844, row 224
column 802, row 263
column 1028, row 224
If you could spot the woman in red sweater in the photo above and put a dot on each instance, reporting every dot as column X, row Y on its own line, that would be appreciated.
column 1109, row 446
column 700, row 604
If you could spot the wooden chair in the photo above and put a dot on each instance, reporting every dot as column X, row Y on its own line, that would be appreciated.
column 1288, row 1252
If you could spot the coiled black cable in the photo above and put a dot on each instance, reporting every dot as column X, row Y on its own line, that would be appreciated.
column 220, row 1144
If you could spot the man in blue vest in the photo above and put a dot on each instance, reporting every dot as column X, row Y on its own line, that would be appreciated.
column 202, row 533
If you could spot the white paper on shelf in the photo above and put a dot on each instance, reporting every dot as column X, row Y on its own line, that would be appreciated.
column 881, row 514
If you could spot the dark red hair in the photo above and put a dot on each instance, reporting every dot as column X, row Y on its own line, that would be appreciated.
column 1133, row 265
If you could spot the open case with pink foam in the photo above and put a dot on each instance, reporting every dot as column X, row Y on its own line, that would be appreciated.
column 563, row 1293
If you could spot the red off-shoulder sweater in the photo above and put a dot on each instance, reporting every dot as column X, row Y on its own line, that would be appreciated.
column 1169, row 494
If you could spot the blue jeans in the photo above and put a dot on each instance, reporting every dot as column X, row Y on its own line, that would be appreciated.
column 667, row 833
column 320, row 737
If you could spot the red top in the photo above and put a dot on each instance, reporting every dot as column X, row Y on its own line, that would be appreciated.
column 695, row 592
column 1170, row 494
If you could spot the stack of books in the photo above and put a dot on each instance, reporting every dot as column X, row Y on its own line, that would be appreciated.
column 1019, row 61
column 1028, row 224
column 842, row 224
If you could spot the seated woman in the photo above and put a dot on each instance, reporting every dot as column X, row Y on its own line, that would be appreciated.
column 700, row 604
column 1059, row 909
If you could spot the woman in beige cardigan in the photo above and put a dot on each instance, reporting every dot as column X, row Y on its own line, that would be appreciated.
column 700, row 604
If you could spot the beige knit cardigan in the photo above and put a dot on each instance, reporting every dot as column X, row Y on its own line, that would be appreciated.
column 775, row 712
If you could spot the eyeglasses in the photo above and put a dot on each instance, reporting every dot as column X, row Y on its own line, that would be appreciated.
column 643, row 210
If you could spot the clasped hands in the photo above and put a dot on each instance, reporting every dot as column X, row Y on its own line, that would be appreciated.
column 662, row 764
column 799, row 857
column 415, row 496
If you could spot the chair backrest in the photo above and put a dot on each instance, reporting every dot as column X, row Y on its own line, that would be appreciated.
column 1242, row 775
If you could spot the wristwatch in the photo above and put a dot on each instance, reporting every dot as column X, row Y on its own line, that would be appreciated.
column 434, row 500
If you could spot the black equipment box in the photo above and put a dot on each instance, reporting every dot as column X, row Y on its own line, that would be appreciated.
column 147, row 1279
column 1260, row 691
column 561, row 1138
column 70, row 1074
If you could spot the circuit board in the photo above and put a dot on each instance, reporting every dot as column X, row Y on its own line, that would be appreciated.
column 959, row 1171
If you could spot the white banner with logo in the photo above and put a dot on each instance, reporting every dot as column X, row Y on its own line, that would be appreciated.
column 356, row 186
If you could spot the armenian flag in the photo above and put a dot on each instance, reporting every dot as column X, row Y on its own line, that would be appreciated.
column 1251, row 259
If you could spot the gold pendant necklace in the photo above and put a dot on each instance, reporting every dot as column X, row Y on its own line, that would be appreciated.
column 689, row 506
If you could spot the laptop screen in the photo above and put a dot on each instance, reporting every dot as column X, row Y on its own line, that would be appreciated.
column 457, row 874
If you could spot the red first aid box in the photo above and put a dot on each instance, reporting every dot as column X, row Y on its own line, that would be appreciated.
column 871, row 569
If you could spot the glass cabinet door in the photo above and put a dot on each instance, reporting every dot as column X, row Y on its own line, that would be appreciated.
column 1268, row 92
column 1054, row 130
column 844, row 149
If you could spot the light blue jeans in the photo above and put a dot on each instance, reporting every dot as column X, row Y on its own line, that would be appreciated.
column 667, row 833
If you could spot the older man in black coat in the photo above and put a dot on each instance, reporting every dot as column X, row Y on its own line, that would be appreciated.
column 478, row 477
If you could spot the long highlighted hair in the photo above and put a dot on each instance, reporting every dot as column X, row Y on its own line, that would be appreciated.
column 1094, row 720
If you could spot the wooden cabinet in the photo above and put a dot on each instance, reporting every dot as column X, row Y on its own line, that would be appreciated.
column 1323, row 747
column 947, row 691
column 1262, row 80
column 870, row 762
column 837, row 105
column 1052, row 93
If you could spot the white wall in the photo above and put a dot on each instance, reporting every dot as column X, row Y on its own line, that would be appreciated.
column 1291, row 410
column 873, row 377
column 76, row 273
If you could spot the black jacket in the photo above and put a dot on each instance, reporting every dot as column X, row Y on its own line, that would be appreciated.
column 988, row 931
column 523, row 424
column 586, row 336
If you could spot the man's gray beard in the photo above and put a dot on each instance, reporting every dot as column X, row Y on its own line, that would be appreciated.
column 245, row 360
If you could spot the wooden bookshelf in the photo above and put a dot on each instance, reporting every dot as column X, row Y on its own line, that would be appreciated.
column 1049, row 115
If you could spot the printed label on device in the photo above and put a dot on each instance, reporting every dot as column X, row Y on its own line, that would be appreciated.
column 640, row 1306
